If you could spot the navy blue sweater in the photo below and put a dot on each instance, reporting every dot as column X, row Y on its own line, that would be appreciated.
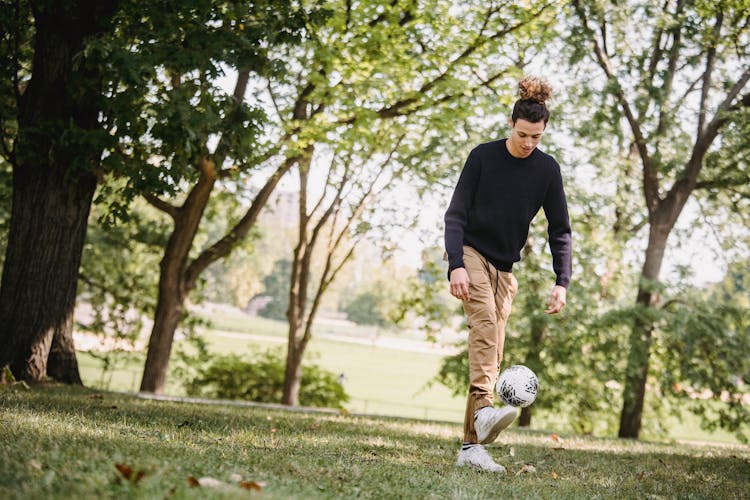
column 496, row 199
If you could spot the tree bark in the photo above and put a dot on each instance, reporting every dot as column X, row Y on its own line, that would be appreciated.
column 636, row 374
column 172, row 286
column 533, row 360
column 53, row 186
column 62, row 364
column 292, row 374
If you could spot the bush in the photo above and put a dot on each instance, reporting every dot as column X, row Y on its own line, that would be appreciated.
column 260, row 377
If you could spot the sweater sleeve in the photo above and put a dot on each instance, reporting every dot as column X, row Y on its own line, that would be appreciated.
column 558, row 229
column 457, row 214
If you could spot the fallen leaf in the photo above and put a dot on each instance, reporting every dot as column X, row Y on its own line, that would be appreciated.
column 128, row 473
column 554, row 475
column 193, row 482
column 98, row 395
column 528, row 468
column 558, row 440
column 640, row 475
column 35, row 465
column 252, row 485
column 512, row 452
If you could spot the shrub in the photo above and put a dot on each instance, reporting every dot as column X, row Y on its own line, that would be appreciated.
column 260, row 377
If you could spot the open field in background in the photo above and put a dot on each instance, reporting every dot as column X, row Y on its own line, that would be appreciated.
column 68, row 442
column 380, row 380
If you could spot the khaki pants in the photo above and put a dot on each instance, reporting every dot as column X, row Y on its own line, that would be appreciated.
column 491, row 294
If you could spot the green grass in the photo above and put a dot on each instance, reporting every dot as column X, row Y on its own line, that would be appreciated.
column 379, row 380
column 62, row 442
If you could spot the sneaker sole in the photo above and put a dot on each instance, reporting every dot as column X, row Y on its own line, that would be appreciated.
column 499, row 426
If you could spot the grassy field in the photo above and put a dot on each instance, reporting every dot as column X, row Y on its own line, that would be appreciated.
column 381, row 381
column 62, row 442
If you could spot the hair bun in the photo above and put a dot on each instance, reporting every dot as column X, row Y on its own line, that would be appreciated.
column 534, row 89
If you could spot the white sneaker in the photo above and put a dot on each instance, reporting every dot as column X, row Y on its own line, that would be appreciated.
column 477, row 457
column 489, row 421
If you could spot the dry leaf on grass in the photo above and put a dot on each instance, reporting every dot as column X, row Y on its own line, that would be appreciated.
column 252, row 485
column 526, row 469
column 129, row 473
column 557, row 439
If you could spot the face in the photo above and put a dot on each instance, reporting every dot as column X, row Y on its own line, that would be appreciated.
column 524, row 137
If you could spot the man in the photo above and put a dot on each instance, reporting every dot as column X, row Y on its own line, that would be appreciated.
column 502, row 186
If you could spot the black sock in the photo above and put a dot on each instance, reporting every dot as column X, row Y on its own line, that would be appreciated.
column 466, row 446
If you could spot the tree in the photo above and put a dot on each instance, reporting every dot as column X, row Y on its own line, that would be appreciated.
column 166, row 147
column 674, row 75
column 51, row 135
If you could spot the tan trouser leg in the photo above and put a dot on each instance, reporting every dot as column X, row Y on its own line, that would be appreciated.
column 491, row 294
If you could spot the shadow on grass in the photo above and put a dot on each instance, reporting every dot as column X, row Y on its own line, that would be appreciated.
column 63, row 442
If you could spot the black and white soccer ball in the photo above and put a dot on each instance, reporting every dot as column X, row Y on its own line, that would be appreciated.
column 517, row 386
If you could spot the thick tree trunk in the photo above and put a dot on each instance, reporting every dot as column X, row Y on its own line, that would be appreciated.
column 62, row 364
column 40, row 275
column 53, row 185
column 640, row 338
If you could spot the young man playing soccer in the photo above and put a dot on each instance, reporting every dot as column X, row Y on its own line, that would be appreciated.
column 502, row 186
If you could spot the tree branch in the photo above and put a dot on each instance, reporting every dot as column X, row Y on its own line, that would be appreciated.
column 708, row 73
column 240, row 87
column 224, row 246
column 160, row 204
column 650, row 176
column 674, row 53
column 402, row 107
column 712, row 129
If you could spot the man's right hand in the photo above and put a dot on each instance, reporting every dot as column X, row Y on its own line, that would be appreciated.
column 460, row 283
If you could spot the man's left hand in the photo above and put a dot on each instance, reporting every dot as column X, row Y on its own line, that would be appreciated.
column 556, row 300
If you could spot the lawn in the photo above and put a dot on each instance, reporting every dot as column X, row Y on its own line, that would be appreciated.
column 63, row 442
column 379, row 380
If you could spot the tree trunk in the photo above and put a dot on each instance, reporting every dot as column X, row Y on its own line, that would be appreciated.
column 53, row 186
column 62, row 364
column 169, row 312
column 295, row 347
column 173, row 288
column 533, row 360
column 293, row 372
column 636, row 374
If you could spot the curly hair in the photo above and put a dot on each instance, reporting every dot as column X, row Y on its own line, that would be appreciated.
column 532, row 93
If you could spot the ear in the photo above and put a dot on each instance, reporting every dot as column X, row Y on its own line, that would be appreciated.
column 511, row 122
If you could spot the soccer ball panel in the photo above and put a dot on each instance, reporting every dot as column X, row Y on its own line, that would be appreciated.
column 517, row 386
